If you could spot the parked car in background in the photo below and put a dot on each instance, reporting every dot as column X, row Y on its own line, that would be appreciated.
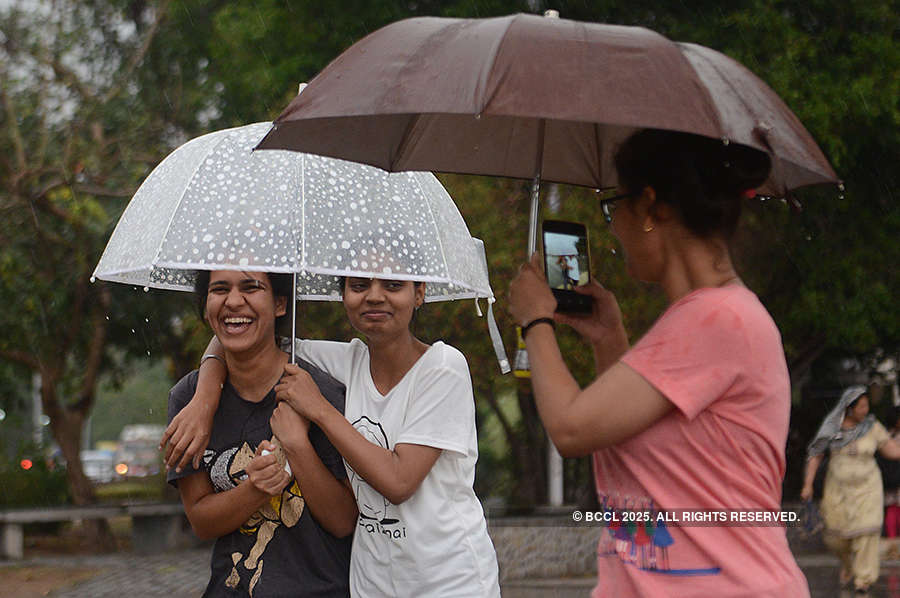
column 138, row 454
column 98, row 466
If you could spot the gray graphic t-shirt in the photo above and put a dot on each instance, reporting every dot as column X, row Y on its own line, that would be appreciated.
column 281, row 550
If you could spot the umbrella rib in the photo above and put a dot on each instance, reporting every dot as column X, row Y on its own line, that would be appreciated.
column 764, row 138
column 482, row 97
column 492, row 62
column 393, row 163
column 703, row 89
column 165, row 234
column 776, row 166
column 302, row 168
column 726, row 80
column 437, row 230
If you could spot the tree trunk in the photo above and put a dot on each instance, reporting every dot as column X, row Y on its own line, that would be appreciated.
column 531, row 458
column 66, row 426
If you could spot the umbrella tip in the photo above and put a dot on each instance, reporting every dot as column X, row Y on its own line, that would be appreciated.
column 551, row 14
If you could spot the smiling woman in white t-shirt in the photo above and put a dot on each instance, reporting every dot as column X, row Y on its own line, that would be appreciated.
column 408, row 440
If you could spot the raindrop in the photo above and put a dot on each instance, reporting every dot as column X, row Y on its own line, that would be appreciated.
column 132, row 331
column 612, row 251
column 146, row 289
column 45, row 420
column 840, row 186
column 2, row 415
column 809, row 237
column 148, row 353
column 93, row 279
column 147, row 319
column 725, row 141
column 478, row 116
column 107, row 317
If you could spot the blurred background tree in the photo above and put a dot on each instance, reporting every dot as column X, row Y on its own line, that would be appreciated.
column 85, row 112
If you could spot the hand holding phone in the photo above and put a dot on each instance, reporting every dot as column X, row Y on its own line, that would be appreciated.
column 567, row 263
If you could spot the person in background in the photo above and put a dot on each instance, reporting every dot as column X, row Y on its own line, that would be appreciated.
column 272, row 493
column 695, row 415
column 852, row 499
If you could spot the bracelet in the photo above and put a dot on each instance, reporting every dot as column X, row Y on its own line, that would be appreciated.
column 213, row 356
column 536, row 321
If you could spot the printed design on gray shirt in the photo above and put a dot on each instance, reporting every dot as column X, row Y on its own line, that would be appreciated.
column 226, row 471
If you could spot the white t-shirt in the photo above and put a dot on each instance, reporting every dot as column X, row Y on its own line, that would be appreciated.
column 436, row 543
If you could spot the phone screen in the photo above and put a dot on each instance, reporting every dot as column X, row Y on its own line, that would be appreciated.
column 567, row 263
column 566, row 260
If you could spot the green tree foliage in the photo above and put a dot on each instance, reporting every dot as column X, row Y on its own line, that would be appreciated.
column 260, row 51
column 85, row 111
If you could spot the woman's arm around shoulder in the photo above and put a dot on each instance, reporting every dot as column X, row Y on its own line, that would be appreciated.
column 330, row 500
column 188, row 433
column 396, row 474
column 332, row 357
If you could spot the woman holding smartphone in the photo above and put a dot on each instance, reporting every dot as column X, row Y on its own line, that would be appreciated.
column 409, row 442
column 695, row 415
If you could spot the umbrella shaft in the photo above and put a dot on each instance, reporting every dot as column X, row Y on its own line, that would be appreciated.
column 294, row 320
column 533, row 215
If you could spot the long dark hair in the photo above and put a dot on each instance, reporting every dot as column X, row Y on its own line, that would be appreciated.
column 704, row 179
column 280, row 283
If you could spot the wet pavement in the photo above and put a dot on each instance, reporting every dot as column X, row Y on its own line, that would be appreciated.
column 183, row 574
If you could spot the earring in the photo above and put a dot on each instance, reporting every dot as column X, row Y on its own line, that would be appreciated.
column 648, row 227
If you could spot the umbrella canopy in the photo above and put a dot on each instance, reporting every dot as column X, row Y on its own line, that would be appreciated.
column 523, row 95
column 215, row 204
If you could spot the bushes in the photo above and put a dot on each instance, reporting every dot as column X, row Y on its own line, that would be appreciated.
column 39, row 486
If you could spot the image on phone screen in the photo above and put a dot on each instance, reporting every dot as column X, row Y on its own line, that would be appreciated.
column 566, row 260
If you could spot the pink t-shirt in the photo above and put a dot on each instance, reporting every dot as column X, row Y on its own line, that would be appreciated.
column 717, row 356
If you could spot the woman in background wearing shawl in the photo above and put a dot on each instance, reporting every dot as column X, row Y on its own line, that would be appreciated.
column 852, row 499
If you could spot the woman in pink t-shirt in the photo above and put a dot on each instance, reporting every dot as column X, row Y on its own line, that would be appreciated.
column 688, row 427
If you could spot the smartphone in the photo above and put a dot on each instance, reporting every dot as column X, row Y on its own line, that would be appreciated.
column 567, row 263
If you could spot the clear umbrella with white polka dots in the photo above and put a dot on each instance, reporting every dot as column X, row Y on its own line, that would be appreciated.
column 215, row 204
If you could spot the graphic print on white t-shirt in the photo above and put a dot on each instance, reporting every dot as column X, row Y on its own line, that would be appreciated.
column 376, row 513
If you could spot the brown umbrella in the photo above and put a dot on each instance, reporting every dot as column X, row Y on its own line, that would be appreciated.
column 525, row 96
